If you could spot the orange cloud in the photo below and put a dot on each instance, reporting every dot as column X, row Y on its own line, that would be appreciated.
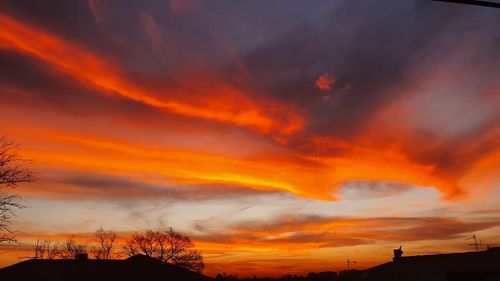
column 174, row 165
column 325, row 82
column 216, row 101
column 314, row 176
column 311, row 176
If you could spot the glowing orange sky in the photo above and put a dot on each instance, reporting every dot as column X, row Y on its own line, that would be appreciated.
column 321, row 142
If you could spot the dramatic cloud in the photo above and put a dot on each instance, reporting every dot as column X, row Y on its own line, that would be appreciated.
column 94, row 186
column 319, row 232
column 89, row 67
column 269, row 93
column 241, row 108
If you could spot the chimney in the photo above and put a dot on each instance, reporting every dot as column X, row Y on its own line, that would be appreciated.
column 82, row 257
column 398, row 254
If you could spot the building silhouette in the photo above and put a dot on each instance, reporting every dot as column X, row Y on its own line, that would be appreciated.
column 470, row 266
column 137, row 268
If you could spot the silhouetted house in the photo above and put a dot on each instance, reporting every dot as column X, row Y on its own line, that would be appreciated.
column 471, row 266
column 136, row 268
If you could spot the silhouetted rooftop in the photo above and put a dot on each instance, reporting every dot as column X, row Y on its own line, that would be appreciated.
column 476, row 266
column 138, row 267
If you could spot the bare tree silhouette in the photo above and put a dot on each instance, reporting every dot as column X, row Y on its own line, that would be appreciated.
column 46, row 250
column 169, row 246
column 73, row 249
column 105, row 247
column 13, row 171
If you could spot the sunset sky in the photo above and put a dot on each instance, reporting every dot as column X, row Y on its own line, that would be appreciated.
column 282, row 136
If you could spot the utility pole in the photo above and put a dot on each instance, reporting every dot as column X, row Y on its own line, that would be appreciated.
column 349, row 264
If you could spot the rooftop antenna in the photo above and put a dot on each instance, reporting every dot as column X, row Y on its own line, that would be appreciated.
column 475, row 242
column 349, row 264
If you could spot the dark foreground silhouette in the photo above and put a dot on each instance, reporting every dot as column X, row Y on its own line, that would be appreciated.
column 312, row 276
column 471, row 266
column 135, row 268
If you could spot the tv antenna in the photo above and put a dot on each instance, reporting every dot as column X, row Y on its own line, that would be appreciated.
column 349, row 264
column 475, row 242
